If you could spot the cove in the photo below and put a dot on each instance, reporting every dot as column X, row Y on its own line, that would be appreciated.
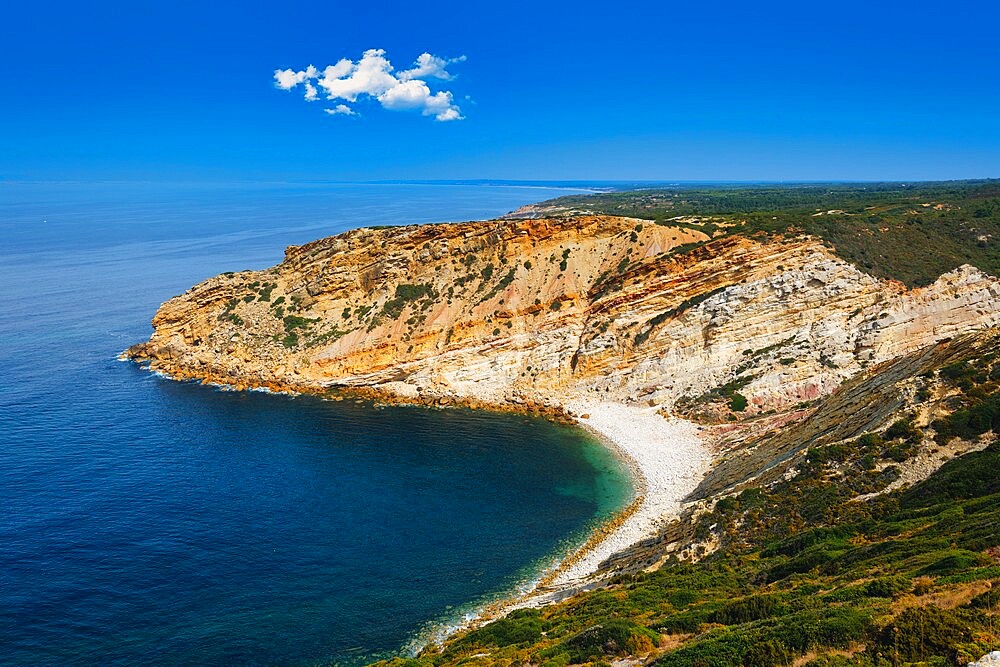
column 148, row 520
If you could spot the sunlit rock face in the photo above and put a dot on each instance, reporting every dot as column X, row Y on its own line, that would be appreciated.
column 543, row 311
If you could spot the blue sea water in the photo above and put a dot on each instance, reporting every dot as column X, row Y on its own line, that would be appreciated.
column 147, row 521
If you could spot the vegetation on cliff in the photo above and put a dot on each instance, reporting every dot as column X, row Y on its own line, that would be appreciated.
column 807, row 570
column 908, row 232
column 907, row 578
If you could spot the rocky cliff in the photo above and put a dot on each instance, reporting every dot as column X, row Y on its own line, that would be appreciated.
column 546, row 311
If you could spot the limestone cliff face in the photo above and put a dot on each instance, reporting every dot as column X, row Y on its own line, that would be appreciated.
column 549, row 310
column 867, row 403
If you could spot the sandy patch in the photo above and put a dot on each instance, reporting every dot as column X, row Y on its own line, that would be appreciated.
column 666, row 455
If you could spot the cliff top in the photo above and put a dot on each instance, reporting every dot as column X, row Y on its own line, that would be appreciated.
column 911, row 232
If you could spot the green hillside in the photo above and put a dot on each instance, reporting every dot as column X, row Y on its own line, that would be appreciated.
column 805, row 573
column 904, row 580
column 909, row 232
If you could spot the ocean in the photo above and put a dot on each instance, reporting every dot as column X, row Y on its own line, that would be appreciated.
column 148, row 521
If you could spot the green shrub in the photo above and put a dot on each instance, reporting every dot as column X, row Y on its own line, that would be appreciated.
column 557, row 660
column 295, row 322
column 615, row 637
column 682, row 598
column 971, row 422
column 796, row 544
column 988, row 600
column 957, row 559
column 393, row 308
column 970, row 476
column 519, row 627
column 958, row 373
column 902, row 429
column 900, row 453
column 809, row 560
column 751, row 608
column 841, row 661
column 768, row 653
column 501, row 285
column 887, row 587
column 716, row 649
column 835, row 452
column 689, row 620
column 841, row 626
column 870, row 441
column 922, row 633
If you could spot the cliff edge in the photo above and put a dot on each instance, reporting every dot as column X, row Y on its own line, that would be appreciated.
column 544, row 312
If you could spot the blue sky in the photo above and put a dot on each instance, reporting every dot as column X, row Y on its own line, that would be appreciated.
column 692, row 91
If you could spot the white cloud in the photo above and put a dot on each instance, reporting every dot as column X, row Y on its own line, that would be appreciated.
column 414, row 94
column 341, row 110
column 451, row 113
column 341, row 69
column 406, row 95
column 430, row 67
column 373, row 77
column 286, row 79
column 369, row 76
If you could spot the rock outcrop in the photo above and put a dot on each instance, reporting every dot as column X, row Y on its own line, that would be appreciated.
column 544, row 311
column 907, row 385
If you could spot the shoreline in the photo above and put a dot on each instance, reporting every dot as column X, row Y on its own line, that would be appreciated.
column 547, row 410
column 668, row 458
column 665, row 458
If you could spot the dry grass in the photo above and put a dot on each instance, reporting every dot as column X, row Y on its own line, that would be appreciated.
column 848, row 652
column 946, row 598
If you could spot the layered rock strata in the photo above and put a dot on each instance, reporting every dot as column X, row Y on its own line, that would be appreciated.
column 549, row 311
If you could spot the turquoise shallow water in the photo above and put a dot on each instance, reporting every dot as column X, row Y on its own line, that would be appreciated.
column 151, row 521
